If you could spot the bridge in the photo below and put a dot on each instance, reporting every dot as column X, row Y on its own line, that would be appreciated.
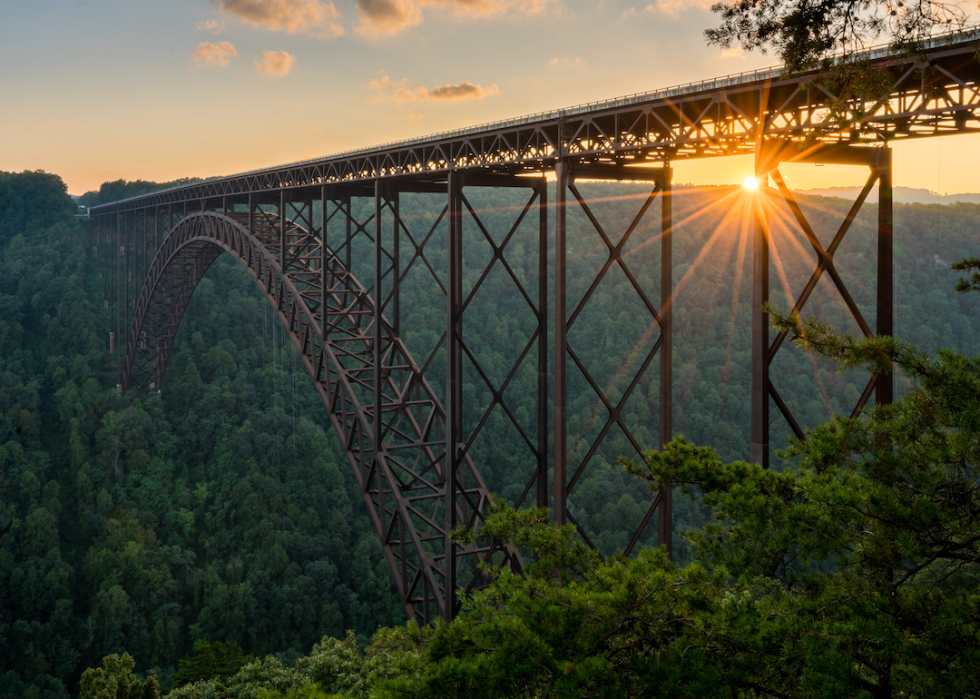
column 303, row 228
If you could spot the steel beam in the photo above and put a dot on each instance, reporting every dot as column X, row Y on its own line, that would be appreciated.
column 885, row 388
column 759, row 430
column 933, row 93
column 454, row 381
column 563, row 480
column 769, row 155
column 560, row 461
column 542, row 317
column 117, row 246
column 665, row 522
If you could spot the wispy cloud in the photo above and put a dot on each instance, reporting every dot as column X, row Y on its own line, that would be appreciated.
column 671, row 8
column 208, row 54
column 567, row 63
column 212, row 25
column 402, row 91
column 292, row 16
column 463, row 91
column 392, row 16
column 275, row 64
column 483, row 8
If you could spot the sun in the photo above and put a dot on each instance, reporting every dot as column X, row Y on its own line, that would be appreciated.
column 750, row 183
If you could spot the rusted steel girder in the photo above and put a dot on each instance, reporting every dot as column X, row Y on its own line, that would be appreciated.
column 769, row 156
column 566, row 475
column 935, row 93
column 391, row 425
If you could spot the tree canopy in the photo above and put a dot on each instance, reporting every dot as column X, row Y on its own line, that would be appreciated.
column 806, row 33
column 854, row 573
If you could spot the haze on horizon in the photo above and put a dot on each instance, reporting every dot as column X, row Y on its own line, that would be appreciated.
column 107, row 89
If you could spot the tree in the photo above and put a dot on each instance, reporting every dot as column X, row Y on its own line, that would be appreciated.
column 967, row 264
column 853, row 573
column 115, row 680
column 210, row 661
column 805, row 34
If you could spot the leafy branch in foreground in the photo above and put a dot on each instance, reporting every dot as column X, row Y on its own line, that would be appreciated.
column 854, row 574
column 965, row 265
column 807, row 34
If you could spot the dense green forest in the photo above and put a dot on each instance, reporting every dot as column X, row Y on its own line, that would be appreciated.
column 220, row 509
column 223, row 509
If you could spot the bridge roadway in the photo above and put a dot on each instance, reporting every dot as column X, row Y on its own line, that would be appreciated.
column 294, row 228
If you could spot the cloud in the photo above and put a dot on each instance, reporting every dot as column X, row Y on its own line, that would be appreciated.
column 212, row 25
column 463, row 91
column 567, row 62
column 208, row 54
column 386, row 16
column 671, row 8
column 292, row 16
column 402, row 91
column 392, row 16
column 275, row 64
column 483, row 8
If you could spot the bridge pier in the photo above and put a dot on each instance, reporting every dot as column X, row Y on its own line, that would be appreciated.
column 566, row 475
column 462, row 481
column 769, row 156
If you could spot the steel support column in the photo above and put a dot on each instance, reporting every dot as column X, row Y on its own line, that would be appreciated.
column 282, row 231
column 566, row 475
column 118, row 249
column 378, row 375
column 665, row 519
column 143, row 246
column 559, row 474
column 454, row 379
column 127, row 280
column 542, row 485
column 769, row 155
column 324, row 291
column 347, row 231
column 759, row 447
column 396, row 308
column 884, row 390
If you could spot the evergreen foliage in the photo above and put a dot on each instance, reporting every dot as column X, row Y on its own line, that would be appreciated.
column 115, row 680
column 210, row 660
column 854, row 574
column 967, row 264
column 142, row 523
column 333, row 667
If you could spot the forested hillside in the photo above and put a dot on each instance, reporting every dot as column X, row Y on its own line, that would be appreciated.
column 220, row 509
column 223, row 508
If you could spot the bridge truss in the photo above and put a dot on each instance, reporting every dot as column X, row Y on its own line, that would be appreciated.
column 297, row 230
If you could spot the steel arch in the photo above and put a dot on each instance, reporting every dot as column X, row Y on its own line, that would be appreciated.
column 331, row 321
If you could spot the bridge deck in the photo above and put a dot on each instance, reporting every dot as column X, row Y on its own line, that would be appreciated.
column 932, row 94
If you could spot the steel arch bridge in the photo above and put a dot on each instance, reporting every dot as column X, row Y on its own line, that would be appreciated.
column 293, row 228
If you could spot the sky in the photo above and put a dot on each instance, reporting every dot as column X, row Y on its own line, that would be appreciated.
column 97, row 90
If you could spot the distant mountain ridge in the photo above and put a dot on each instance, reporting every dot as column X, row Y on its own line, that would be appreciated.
column 901, row 195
